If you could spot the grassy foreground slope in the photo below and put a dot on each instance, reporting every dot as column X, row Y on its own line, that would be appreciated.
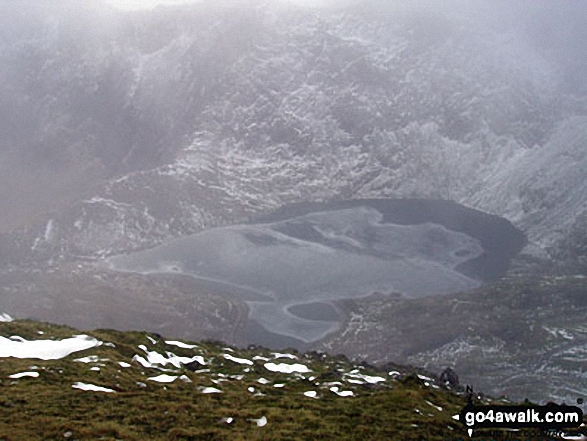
column 212, row 392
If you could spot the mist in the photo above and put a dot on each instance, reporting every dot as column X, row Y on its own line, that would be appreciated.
column 54, row 127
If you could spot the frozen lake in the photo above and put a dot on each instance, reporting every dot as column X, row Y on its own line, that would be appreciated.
column 290, row 267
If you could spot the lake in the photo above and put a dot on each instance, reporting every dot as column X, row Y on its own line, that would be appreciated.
column 292, row 266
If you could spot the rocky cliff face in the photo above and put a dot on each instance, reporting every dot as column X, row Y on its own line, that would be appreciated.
column 148, row 125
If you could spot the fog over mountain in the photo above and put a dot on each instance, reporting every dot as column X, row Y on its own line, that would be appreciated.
column 124, row 128
column 239, row 109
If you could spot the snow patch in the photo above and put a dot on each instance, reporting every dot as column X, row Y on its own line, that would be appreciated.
column 260, row 421
column 341, row 393
column 434, row 405
column 280, row 355
column 91, row 387
column 45, row 349
column 154, row 358
column 49, row 229
column 163, row 378
column 180, row 344
column 287, row 368
column 24, row 374
column 238, row 360
column 424, row 377
column 350, row 380
column 368, row 378
column 211, row 390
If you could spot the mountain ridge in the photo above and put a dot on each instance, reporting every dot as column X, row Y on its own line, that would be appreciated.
column 236, row 389
column 131, row 385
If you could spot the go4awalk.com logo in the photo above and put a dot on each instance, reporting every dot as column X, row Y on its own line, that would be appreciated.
column 548, row 418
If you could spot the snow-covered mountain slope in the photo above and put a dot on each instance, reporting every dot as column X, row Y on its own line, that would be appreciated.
column 210, row 114
column 522, row 337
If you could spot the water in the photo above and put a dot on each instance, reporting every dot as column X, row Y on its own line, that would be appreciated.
column 290, row 270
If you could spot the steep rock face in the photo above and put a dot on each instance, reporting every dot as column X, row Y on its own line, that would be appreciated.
column 542, row 190
column 208, row 115
column 523, row 337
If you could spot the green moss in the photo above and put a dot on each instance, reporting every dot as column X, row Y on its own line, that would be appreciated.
column 48, row 407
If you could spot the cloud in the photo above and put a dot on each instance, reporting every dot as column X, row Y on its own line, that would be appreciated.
column 146, row 4
column 151, row 4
